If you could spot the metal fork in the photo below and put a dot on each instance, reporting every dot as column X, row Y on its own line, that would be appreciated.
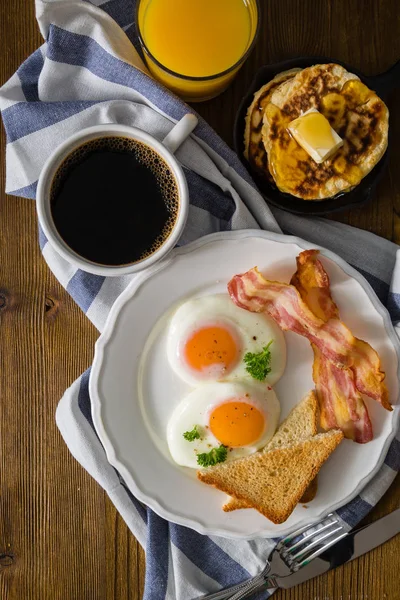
column 291, row 554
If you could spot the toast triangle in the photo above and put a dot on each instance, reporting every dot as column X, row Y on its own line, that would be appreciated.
column 273, row 482
column 300, row 424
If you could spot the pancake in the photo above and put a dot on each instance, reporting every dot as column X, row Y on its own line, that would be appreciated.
column 254, row 150
column 356, row 113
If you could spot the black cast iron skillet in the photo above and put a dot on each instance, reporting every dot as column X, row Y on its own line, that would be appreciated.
column 382, row 84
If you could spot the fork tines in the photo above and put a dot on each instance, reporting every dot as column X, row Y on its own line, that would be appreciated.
column 308, row 542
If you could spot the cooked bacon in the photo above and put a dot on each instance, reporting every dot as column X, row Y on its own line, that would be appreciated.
column 335, row 341
column 312, row 281
column 341, row 404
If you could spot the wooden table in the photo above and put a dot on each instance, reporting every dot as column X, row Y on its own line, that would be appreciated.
column 60, row 537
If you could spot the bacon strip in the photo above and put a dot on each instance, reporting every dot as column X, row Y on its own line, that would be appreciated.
column 335, row 341
column 312, row 282
column 341, row 404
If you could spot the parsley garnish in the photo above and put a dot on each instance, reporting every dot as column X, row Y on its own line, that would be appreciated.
column 190, row 436
column 258, row 364
column 216, row 455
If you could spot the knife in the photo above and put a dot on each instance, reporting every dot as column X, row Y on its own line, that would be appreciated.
column 355, row 544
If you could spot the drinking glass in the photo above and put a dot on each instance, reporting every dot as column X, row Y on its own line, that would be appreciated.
column 195, row 88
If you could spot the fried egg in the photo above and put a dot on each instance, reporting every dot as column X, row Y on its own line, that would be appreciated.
column 241, row 416
column 209, row 336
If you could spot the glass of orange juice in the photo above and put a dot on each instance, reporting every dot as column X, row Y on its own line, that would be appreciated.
column 196, row 47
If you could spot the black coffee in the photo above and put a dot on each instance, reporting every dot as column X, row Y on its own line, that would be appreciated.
column 114, row 201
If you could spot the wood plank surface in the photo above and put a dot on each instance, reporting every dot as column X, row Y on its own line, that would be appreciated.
column 60, row 537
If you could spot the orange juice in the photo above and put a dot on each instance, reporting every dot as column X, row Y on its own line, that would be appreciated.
column 191, row 44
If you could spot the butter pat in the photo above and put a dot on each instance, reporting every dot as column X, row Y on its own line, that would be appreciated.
column 314, row 133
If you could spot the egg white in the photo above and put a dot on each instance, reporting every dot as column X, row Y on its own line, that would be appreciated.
column 196, row 408
column 253, row 332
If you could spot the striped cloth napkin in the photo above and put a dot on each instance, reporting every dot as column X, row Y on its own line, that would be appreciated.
column 86, row 73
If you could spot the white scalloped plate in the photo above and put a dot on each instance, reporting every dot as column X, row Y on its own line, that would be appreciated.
column 133, row 391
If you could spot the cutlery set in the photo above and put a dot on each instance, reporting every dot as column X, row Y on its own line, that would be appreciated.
column 311, row 551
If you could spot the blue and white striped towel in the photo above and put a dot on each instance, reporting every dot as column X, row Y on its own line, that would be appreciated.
column 87, row 73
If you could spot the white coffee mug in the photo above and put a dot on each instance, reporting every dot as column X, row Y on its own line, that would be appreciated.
column 165, row 149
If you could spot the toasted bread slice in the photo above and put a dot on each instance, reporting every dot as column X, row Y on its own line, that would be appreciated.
column 300, row 424
column 273, row 482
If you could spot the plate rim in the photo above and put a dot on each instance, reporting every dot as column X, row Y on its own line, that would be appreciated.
column 107, row 333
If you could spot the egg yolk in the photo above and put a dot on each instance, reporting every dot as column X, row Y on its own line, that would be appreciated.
column 236, row 423
column 209, row 347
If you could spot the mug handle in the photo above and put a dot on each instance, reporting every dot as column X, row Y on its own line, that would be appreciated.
column 180, row 132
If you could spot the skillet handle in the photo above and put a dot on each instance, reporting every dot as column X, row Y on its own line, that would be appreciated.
column 386, row 82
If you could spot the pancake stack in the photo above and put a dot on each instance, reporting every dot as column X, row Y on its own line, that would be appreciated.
column 354, row 111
